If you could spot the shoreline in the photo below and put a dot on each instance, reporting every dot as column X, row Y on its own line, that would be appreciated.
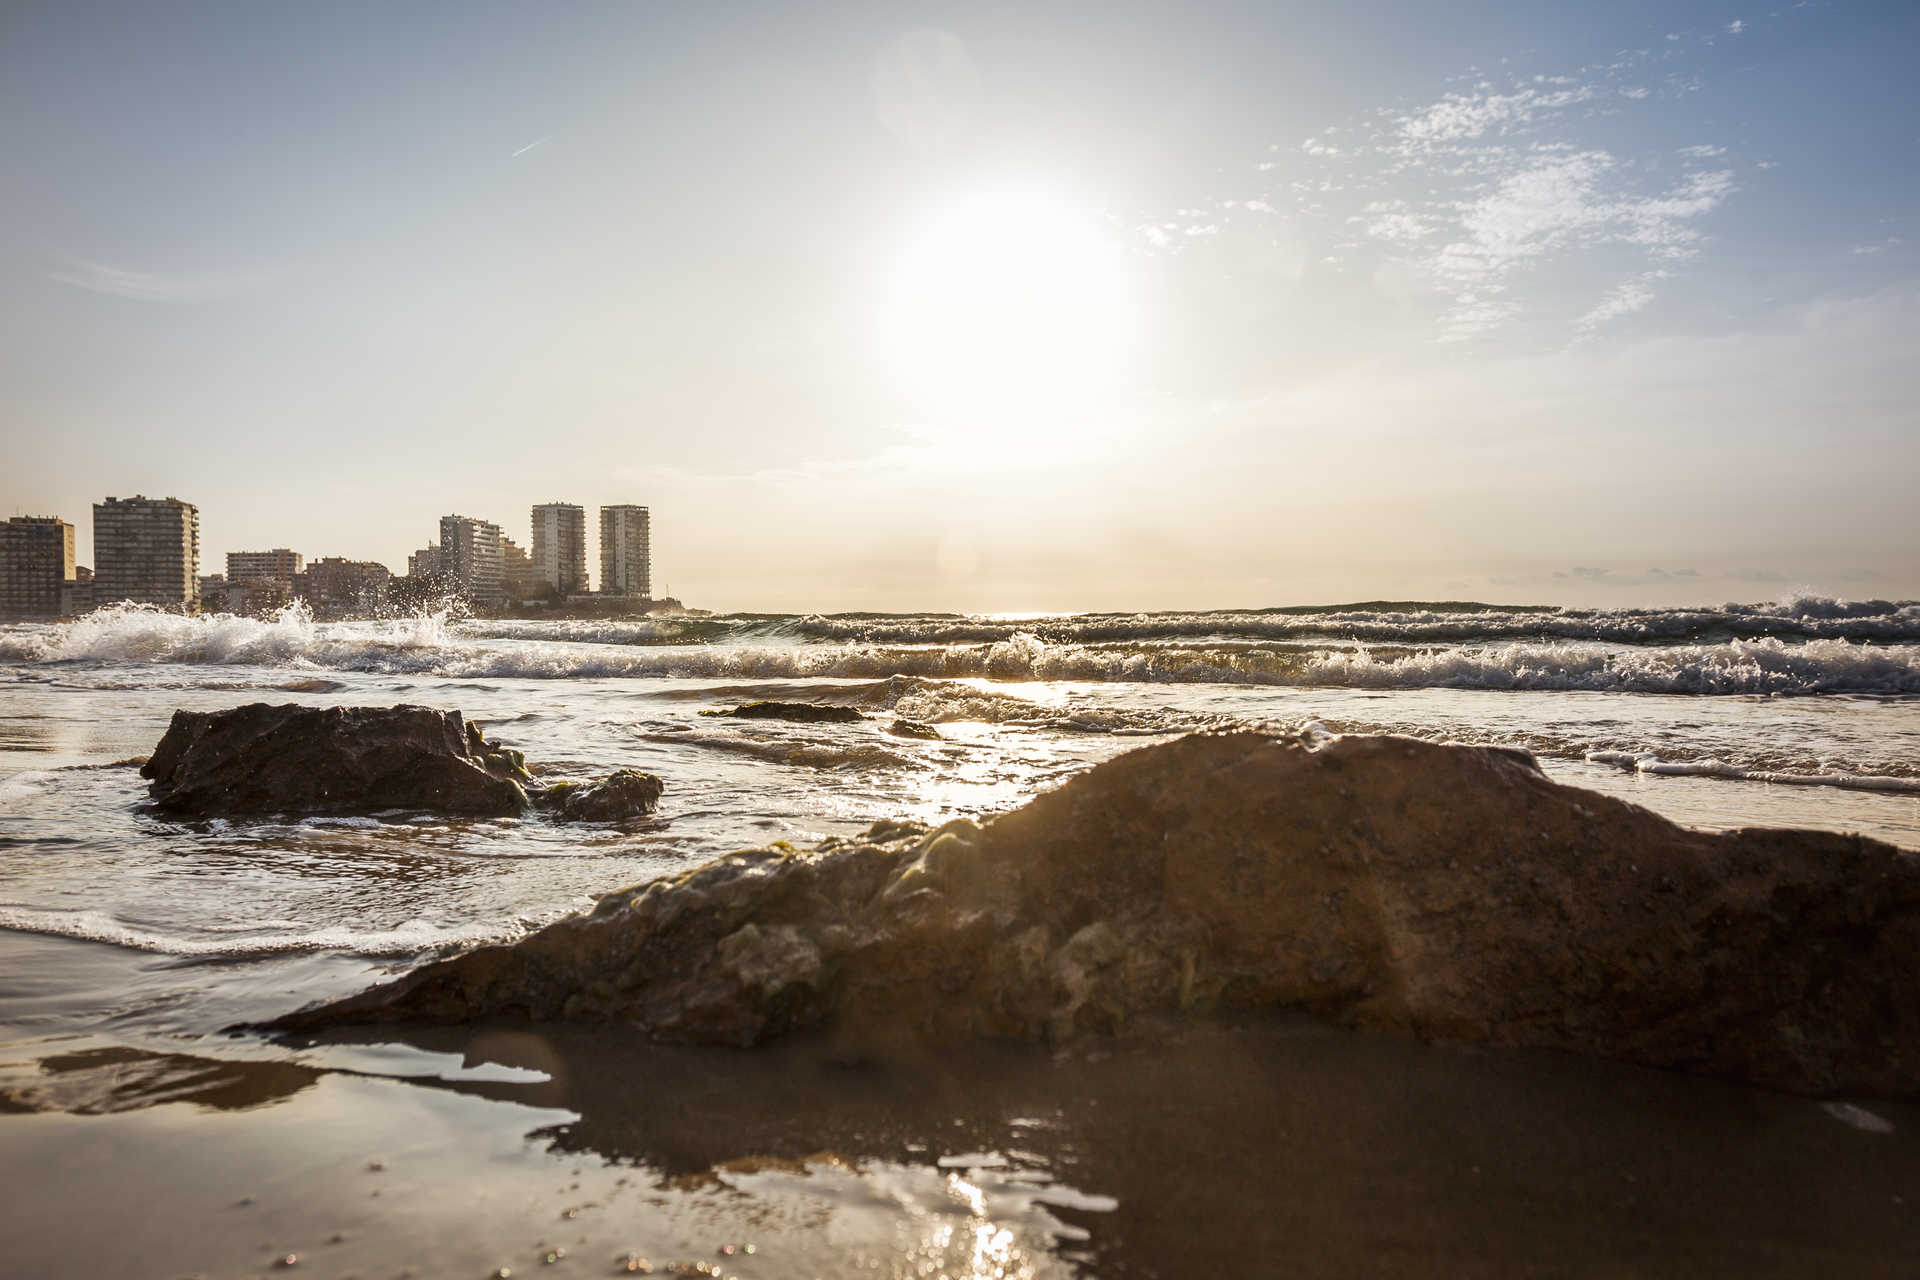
column 1269, row 1145
column 1250, row 1144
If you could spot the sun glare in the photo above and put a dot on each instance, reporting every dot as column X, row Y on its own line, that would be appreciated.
column 1010, row 306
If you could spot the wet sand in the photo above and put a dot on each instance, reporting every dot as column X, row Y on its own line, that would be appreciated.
column 1274, row 1146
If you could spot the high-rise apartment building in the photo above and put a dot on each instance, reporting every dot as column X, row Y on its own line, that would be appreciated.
column 626, row 552
column 36, row 566
column 560, row 546
column 147, row 550
column 470, row 558
column 278, row 565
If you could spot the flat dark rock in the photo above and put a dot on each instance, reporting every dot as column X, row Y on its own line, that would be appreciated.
column 1445, row 892
column 803, row 712
column 623, row 794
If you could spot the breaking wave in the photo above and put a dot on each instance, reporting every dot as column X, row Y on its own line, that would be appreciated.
column 1802, row 617
column 1768, row 666
column 265, row 939
column 1651, row 763
column 433, row 645
column 141, row 633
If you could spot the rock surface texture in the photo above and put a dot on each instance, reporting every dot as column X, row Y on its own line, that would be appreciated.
column 289, row 759
column 625, row 793
column 321, row 760
column 1446, row 892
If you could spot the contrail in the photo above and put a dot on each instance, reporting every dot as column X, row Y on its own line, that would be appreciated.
column 530, row 146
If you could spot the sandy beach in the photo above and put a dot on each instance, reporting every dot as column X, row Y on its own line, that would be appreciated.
column 138, row 1136
column 1270, row 1146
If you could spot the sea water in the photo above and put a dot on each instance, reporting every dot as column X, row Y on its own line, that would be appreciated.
column 1800, row 713
column 130, row 940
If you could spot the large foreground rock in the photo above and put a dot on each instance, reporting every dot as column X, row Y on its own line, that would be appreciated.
column 260, row 759
column 1440, row 891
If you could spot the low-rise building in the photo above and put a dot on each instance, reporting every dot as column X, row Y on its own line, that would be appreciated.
column 278, row 565
column 249, row 597
column 337, row 587
column 519, row 577
column 36, row 566
column 76, row 594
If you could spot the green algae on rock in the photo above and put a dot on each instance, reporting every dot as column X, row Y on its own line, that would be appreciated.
column 624, row 793
column 1446, row 892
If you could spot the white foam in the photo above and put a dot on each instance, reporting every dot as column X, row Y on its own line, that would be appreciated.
column 1857, row 1117
column 1737, row 667
column 1650, row 763
column 142, row 633
column 1803, row 616
column 430, row 645
column 262, row 939
column 28, row 782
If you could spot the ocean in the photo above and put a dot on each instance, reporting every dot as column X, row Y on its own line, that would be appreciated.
column 123, row 931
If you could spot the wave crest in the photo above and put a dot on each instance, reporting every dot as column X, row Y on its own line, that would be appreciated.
column 431, row 645
column 409, row 938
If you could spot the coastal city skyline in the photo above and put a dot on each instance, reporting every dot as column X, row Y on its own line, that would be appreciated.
column 979, row 310
column 149, row 551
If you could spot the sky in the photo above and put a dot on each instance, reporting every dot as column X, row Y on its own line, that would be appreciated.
column 976, row 307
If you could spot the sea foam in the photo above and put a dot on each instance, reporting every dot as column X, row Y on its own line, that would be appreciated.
column 1651, row 763
column 433, row 645
column 260, row 939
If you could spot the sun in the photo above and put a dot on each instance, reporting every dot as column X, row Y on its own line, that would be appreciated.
column 1010, row 305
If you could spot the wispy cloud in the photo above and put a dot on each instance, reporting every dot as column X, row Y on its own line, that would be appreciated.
column 1891, row 242
column 1507, row 185
column 154, row 286
column 1434, row 130
column 1626, row 298
column 1476, row 192
column 1499, row 211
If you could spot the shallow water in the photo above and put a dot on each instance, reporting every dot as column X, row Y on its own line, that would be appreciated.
column 1275, row 1146
column 122, row 931
column 83, row 859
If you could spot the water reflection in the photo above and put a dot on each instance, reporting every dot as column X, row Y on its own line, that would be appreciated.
column 113, row 1078
column 1273, row 1146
